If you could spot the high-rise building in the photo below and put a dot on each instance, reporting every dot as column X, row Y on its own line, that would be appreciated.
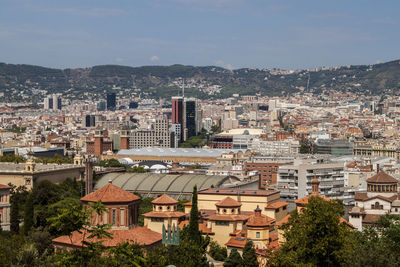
column 111, row 101
column 89, row 121
column 52, row 102
column 178, row 112
column 159, row 136
column 190, row 118
column 101, row 106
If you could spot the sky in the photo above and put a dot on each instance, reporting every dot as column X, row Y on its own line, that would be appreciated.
column 228, row 33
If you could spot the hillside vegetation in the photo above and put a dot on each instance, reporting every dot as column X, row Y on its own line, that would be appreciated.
column 158, row 81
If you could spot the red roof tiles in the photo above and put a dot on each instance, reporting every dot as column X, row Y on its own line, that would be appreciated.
column 228, row 202
column 164, row 214
column 140, row 235
column 164, row 200
column 110, row 194
column 382, row 177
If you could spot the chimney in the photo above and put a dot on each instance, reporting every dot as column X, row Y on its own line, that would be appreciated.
column 315, row 185
column 110, row 181
column 257, row 211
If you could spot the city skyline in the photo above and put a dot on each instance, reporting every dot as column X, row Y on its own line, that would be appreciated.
column 227, row 33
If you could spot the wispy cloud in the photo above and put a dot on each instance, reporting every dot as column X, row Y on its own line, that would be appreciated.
column 119, row 60
column 386, row 20
column 74, row 11
column 222, row 64
column 154, row 58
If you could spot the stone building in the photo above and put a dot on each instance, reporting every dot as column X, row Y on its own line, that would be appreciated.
column 30, row 173
column 122, row 212
column 5, row 207
column 165, row 212
column 381, row 198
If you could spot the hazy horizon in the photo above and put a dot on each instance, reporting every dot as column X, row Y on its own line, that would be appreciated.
column 227, row 33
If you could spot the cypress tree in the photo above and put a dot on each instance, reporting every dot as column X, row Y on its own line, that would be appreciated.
column 28, row 215
column 249, row 255
column 234, row 259
column 194, row 233
column 14, row 220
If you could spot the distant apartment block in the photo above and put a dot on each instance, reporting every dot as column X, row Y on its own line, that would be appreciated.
column 373, row 148
column 267, row 168
column 52, row 102
column 294, row 180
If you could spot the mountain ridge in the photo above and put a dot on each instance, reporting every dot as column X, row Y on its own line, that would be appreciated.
column 160, row 81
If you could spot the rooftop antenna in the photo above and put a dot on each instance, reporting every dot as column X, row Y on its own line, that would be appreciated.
column 308, row 81
column 183, row 88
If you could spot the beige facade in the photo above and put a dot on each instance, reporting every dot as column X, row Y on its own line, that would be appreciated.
column 27, row 174
column 249, row 199
column 5, row 207
column 165, row 213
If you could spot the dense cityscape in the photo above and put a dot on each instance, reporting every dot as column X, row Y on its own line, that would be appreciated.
column 185, row 133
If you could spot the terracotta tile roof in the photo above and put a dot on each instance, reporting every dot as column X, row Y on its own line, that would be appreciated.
column 304, row 201
column 140, row 235
column 283, row 221
column 164, row 214
column 371, row 218
column 360, row 196
column 274, row 243
column 164, row 200
column 259, row 220
column 364, row 197
column 217, row 217
column 238, row 240
column 110, row 194
column 277, row 204
column 344, row 221
column 202, row 227
column 382, row 177
column 188, row 203
column 228, row 202
column 2, row 186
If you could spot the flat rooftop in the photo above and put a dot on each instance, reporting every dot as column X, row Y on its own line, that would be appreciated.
column 218, row 191
column 20, row 167
column 177, row 152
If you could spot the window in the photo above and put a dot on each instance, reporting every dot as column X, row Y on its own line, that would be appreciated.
column 27, row 181
column 257, row 234
column 233, row 210
column 224, row 210
column 395, row 209
column 226, row 223
column 113, row 216
column 284, row 208
column 157, row 219
column 376, row 206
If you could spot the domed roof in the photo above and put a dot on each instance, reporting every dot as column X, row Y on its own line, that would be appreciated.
column 228, row 202
column 164, row 200
column 110, row 194
column 382, row 178
column 246, row 132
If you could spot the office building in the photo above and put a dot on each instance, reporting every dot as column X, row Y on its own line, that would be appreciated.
column 159, row 136
column 178, row 113
column 111, row 101
column 190, row 118
column 89, row 121
column 101, row 106
column 52, row 102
